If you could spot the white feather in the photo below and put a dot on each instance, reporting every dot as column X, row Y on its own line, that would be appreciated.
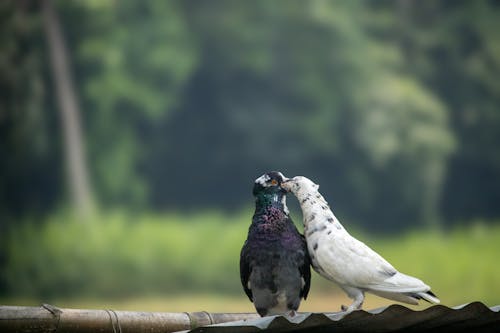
column 341, row 258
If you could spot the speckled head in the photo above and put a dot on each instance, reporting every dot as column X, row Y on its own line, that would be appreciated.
column 269, row 183
column 268, row 191
column 299, row 185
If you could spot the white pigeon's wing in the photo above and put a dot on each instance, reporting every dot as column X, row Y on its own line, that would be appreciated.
column 348, row 261
column 400, row 283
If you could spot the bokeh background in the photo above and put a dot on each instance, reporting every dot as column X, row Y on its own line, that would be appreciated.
column 126, row 176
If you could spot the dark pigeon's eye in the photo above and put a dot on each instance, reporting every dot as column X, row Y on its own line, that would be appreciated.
column 274, row 182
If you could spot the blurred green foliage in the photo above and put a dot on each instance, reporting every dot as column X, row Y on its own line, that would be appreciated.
column 120, row 256
column 458, row 264
column 390, row 106
column 115, row 255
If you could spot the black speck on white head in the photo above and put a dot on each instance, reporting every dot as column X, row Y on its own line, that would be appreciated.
column 300, row 186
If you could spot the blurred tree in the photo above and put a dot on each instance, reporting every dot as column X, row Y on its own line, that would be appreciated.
column 452, row 47
column 29, row 168
column 76, row 164
column 134, row 58
column 466, row 69
column 292, row 88
column 187, row 102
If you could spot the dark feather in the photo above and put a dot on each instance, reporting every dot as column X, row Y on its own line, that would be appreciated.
column 274, row 263
column 305, row 271
column 274, row 259
column 245, row 271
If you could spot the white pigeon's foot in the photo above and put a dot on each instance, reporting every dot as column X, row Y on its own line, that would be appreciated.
column 351, row 308
column 291, row 313
column 359, row 298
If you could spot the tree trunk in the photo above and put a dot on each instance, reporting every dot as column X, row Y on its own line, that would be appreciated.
column 74, row 150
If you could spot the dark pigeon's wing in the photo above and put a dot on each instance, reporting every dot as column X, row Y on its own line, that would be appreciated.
column 245, row 271
column 305, row 270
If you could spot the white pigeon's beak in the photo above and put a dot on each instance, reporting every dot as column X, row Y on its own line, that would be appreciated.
column 285, row 184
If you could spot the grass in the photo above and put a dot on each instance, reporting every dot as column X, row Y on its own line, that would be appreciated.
column 460, row 265
column 180, row 263
column 318, row 301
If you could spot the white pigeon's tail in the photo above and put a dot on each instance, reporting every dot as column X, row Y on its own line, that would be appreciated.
column 404, row 288
column 429, row 297
column 409, row 298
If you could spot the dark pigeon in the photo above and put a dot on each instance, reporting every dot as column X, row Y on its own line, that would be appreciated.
column 274, row 263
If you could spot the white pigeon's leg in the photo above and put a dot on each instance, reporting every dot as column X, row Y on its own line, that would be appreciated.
column 358, row 297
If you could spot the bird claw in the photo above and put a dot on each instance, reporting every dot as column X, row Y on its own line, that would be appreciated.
column 349, row 309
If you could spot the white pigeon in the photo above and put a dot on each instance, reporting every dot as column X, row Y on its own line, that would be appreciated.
column 341, row 258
